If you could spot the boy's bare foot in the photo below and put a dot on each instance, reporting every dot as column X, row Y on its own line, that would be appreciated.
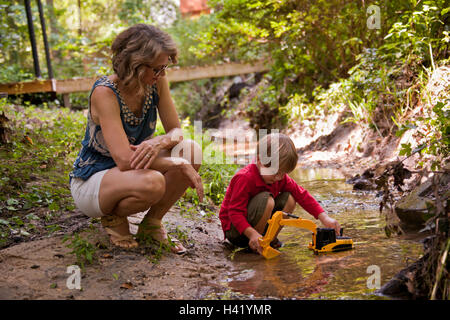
column 118, row 230
column 155, row 229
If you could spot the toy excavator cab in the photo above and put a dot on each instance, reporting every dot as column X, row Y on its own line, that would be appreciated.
column 323, row 239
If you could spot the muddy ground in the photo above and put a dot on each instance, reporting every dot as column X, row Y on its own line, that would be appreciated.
column 37, row 269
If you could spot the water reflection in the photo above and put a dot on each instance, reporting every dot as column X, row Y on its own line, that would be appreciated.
column 298, row 273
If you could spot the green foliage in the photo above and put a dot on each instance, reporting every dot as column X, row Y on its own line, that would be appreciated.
column 312, row 44
column 263, row 109
column 308, row 42
column 35, row 166
column 434, row 134
column 384, row 80
column 43, row 140
column 81, row 248
column 418, row 34
column 193, row 97
column 185, row 33
column 216, row 178
column 79, row 34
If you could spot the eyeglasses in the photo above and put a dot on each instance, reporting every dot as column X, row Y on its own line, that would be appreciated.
column 157, row 71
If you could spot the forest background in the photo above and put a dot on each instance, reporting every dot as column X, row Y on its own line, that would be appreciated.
column 369, row 61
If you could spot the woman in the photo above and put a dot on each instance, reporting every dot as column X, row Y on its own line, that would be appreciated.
column 121, row 169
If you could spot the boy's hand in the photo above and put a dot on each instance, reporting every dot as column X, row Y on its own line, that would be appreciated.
column 253, row 239
column 330, row 223
column 254, row 243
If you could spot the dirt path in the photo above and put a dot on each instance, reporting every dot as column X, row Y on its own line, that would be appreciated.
column 38, row 269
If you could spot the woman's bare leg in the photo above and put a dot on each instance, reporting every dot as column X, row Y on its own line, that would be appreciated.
column 176, row 184
column 123, row 193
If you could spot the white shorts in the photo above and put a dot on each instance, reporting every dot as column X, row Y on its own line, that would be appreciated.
column 85, row 194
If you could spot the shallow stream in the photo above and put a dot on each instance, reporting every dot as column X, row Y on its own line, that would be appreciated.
column 299, row 274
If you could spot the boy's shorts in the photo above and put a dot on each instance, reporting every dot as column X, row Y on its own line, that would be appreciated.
column 255, row 210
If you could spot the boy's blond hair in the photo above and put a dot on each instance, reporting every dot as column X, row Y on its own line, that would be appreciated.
column 286, row 151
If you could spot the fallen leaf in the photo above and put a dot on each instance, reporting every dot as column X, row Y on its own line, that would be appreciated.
column 127, row 285
column 28, row 139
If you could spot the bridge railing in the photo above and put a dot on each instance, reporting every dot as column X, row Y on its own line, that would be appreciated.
column 67, row 86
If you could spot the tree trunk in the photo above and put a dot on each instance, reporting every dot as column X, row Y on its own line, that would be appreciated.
column 80, row 26
column 54, row 34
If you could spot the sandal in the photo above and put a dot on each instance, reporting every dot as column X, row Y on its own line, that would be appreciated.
column 155, row 229
column 121, row 240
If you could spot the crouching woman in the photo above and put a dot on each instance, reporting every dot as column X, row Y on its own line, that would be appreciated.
column 121, row 168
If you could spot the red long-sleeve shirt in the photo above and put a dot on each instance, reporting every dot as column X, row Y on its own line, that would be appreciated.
column 247, row 183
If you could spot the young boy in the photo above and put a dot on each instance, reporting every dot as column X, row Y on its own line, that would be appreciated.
column 258, row 190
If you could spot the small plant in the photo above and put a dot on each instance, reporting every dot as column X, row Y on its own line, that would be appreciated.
column 233, row 253
column 180, row 234
column 156, row 256
column 155, row 247
column 83, row 249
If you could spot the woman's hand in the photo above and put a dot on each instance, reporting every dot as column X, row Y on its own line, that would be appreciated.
column 144, row 154
column 195, row 181
column 330, row 222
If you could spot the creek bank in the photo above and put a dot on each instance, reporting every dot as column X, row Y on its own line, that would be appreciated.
column 416, row 208
column 38, row 269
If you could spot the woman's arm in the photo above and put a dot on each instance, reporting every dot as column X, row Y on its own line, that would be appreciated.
column 166, row 107
column 147, row 151
column 105, row 111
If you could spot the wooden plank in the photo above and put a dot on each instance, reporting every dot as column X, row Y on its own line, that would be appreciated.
column 27, row 87
column 74, row 85
column 173, row 75
column 216, row 71
column 66, row 100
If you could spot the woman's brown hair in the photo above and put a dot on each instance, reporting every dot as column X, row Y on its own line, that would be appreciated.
column 137, row 46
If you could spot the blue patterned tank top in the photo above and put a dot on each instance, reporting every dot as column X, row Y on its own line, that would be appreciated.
column 94, row 155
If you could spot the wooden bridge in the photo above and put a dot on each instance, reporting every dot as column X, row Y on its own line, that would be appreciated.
column 67, row 86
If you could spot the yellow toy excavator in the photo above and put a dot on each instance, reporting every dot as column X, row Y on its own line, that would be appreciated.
column 323, row 239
